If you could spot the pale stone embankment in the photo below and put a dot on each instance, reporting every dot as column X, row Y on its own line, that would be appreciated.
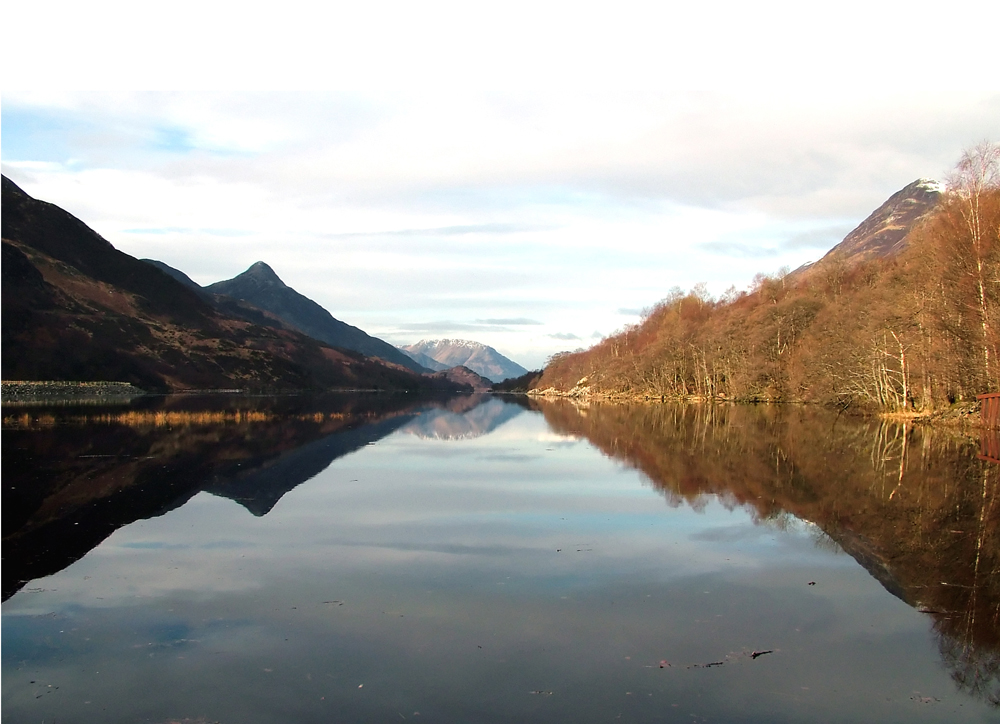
column 28, row 390
column 583, row 391
column 965, row 415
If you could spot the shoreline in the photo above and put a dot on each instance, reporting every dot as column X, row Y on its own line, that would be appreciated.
column 27, row 392
column 965, row 415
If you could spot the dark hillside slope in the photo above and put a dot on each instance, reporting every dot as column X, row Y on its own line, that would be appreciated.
column 76, row 308
column 261, row 287
column 48, row 230
column 179, row 276
column 228, row 306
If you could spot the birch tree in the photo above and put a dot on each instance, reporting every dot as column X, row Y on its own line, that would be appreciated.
column 978, row 173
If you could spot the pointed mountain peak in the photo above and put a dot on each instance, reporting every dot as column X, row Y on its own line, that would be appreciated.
column 926, row 185
column 261, row 274
column 885, row 231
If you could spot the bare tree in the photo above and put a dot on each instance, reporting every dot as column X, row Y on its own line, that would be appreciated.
column 977, row 173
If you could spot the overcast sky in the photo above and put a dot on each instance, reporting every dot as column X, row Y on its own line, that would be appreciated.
column 504, row 187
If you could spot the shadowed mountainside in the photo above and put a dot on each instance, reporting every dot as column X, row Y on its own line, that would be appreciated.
column 262, row 288
column 462, row 376
column 422, row 359
column 76, row 308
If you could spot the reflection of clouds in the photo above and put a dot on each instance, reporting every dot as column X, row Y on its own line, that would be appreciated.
column 481, row 420
column 431, row 560
column 731, row 534
column 509, row 457
column 388, row 514
column 555, row 437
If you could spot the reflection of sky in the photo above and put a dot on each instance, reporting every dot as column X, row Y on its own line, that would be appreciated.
column 453, row 578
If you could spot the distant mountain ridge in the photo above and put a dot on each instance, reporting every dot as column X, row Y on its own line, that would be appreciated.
column 463, row 376
column 480, row 358
column 178, row 275
column 428, row 362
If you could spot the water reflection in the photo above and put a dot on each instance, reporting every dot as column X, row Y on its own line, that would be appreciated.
column 366, row 558
column 74, row 474
column 463, row 418
column 913, row 505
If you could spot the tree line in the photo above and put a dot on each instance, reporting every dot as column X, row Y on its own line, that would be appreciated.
column 917, row 330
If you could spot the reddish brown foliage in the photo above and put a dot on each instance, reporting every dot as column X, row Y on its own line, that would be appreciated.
column 911, row 331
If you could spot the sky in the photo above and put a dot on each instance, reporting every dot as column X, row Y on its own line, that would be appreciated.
column 531, row 179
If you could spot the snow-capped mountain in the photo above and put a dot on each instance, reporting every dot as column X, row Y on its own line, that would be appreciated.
column 479, row 358
column 885, row 231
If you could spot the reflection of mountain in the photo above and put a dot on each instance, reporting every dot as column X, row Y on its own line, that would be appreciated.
column 460, row 424
column 68, row 487
column 914, row 507
column 258, row 490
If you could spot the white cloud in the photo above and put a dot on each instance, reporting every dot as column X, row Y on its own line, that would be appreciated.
column 396, row 210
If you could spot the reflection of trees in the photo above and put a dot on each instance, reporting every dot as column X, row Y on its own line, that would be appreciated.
column 975, row 668
column 969, row 639
column 913, row 505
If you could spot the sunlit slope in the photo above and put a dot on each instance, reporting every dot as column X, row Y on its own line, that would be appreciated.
column 900, row 316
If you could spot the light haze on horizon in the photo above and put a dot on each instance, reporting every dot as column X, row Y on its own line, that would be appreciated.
column 534, row 221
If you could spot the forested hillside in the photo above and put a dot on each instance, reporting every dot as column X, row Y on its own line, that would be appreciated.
column 912, row 329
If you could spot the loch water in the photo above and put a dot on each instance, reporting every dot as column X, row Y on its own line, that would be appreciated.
column 380, row 558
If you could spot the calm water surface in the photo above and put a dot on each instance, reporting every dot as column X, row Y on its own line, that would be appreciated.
column 474, row 560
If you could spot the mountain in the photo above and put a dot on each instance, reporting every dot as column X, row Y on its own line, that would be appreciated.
column 462, row 377
column 479, row 358
column 179, row 276
column 422, row 359
column 229, row 306
column 885, row 231
column 76, row 308
column 262, row 288
column 897, row 317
